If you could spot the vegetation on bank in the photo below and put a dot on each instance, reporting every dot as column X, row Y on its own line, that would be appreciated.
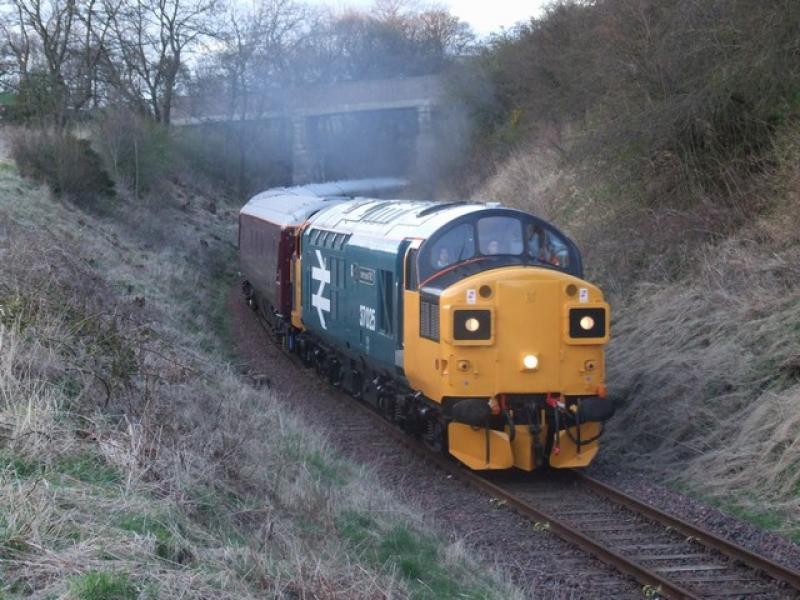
column 665, row 136
column 135, row 461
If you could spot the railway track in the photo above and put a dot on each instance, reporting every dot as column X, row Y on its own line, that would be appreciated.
column 668, row 556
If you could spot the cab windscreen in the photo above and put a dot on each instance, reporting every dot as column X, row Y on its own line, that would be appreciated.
column 587, row 323
column 472, row 325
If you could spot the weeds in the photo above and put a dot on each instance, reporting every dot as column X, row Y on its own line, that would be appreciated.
column 98, row 585
column 412, row 555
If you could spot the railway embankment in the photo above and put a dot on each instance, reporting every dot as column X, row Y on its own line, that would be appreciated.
column 703, row 361
column 663, row 137
column 137, row 460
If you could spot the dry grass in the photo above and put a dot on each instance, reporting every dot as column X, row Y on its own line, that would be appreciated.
column 135, row 462
column 705, row 351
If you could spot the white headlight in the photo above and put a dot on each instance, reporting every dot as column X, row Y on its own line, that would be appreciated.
column 531, row 361
column 587, row 323
column 472, row 324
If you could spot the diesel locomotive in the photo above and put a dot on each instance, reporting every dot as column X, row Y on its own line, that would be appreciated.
column 469, row 325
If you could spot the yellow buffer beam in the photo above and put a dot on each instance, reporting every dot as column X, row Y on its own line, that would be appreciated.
column 567, row 455
column 480, row 448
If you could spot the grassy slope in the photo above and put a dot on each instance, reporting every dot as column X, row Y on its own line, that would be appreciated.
column 706, row 367
column 134, row 462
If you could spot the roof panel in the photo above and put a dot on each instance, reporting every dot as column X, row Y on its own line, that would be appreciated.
column 293, row 205
column 395, row 220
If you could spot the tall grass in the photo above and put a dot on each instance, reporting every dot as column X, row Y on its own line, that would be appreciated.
column 135, row 461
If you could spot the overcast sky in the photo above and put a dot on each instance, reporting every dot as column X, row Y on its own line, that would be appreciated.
column 485, row 16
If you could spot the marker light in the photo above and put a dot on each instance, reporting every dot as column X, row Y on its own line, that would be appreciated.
column 472, row 324
column 587, row 323
column 530, row 362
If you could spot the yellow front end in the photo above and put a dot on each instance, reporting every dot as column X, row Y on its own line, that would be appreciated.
column 510, row 333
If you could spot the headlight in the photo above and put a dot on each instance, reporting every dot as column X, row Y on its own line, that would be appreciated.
column 472, row 325
column 587, row 323
column 530, row 362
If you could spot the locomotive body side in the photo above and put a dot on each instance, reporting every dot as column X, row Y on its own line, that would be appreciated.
column 353, row 263
column 351, row 295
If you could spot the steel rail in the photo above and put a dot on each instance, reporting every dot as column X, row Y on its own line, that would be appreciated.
column 661, row 585
column 702, row 535
column 640, row 573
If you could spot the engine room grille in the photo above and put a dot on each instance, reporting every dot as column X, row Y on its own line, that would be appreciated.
column 429, row 319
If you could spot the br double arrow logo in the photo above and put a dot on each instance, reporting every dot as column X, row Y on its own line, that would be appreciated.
column 318, row 301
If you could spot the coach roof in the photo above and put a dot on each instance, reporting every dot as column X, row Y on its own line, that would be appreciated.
column 293, row 205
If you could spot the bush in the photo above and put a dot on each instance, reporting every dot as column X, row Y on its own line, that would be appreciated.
column 243, row 157
column 672, row 101
column 66, row 164
column 136, row 151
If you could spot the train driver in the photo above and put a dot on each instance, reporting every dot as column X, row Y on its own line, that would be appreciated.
column 443, row 258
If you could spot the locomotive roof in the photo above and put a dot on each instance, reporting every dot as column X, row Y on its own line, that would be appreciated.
column 293, row 205
column 391, row 220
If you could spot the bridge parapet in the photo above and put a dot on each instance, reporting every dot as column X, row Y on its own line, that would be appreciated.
column 297, row 105
column 317, row 100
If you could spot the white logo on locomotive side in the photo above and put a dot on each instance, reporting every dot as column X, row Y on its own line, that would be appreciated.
column 318, row 301
column 367, row 317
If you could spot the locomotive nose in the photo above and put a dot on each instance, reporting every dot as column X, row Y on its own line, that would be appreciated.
column 533, row 335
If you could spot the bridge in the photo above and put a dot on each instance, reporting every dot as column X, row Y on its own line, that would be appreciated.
column 400, row 113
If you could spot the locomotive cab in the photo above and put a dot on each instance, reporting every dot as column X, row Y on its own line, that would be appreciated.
column 506, row 337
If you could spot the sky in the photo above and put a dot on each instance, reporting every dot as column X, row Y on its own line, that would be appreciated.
column 485, row 16
column 488, row 16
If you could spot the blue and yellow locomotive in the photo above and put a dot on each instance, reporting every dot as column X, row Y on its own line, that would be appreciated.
column 467, row 324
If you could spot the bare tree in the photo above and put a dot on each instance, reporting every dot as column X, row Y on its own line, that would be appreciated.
column 41, row 39
column 259, row 46
column 255, row 56
column 394, row 38
column 55, row 47
column 151, row 40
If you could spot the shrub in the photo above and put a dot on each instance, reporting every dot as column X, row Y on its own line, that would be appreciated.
column 66, row 164
column 244, row 157
column 674, row 101
column 136, row 151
